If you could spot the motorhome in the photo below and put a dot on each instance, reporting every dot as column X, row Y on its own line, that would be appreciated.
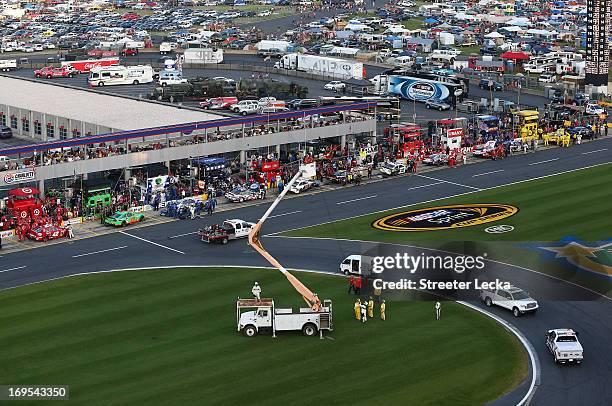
column 120, row 75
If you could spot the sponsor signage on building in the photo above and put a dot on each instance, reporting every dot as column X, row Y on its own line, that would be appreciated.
column 18, row 177
column 445, row 217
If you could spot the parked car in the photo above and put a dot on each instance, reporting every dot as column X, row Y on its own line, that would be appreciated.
column 218, row 103
column 336, row 86
column 5, row 132
column 299, row 104
column 51, row 72
column 245, row 107
column 437, row 105
column 487, row 84
column 547, row 78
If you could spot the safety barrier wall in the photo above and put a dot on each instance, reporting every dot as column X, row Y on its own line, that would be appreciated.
column 67, row 169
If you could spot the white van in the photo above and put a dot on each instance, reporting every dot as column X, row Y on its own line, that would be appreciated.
column 171, row 78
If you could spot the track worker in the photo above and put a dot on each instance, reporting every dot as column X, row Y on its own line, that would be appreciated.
column 383, row 307
column 364, row 314
column 358, row 285
column 371, row 308
column 70, row 232
column 438, row 310
column 256, row 291
column 351, row 284
column 357, row 309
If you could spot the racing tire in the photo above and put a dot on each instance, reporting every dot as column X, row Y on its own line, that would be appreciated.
column 123, row 224
column 488, row 301
column 49, row 76
column 250, row 331
column 309, row 330
column 224, row 241
column 516, row 312
column 135, row 82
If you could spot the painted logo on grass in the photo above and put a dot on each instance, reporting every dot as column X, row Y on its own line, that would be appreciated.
column 445, row 217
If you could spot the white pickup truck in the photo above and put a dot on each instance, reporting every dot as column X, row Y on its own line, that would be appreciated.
column 514, row 299
column 267, row 318
column 564, row 345
column 245, row 107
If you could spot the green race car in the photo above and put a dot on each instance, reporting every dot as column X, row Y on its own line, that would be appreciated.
column 122, row 218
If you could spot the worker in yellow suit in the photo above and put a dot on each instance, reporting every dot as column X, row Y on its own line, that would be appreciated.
column 383, row 307
column 371, row 308
column 358, row 309
column 545, row 139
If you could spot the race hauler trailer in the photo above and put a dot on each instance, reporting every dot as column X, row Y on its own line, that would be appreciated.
column 120, row 75
column 269, row 45
column 322, row 65
column 8, row 65
column 266, row 317
column 85, row 66
column 422, row 87
column 203, row 55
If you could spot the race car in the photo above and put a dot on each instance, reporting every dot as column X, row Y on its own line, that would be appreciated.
column 301, row 185
column 51, row 72
column 47, row 232
column 484, row 150
column 392, row 168
column 436, row 159
column 564, row 345
column 229, row 230
column 241, row 194
column 122, row 218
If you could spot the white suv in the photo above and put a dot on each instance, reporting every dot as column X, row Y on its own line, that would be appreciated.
column 245, row 107
column 514, row 299
column 336, row 86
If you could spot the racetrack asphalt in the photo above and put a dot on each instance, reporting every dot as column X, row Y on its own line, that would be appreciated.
column 176, row 243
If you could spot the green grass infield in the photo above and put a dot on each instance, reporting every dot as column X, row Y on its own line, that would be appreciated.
column 168, row 337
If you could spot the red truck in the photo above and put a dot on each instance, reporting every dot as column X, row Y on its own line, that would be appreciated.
column 85, row 66
column 51, row 72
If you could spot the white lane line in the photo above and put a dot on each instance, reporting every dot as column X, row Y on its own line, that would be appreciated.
column 356, row 200
column 427, row 185
column 448, row 181
column 597, row 150
column 487, row 173
column 285, row 214
column 99, row 252
column 13, row 269
column 151, row 242
column 544, row 162
column 182, row 235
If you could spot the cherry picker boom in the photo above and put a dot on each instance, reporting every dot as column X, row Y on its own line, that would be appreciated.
column 311, row 298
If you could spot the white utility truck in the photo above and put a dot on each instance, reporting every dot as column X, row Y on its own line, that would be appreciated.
column 267, row 318
column 514, row 299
